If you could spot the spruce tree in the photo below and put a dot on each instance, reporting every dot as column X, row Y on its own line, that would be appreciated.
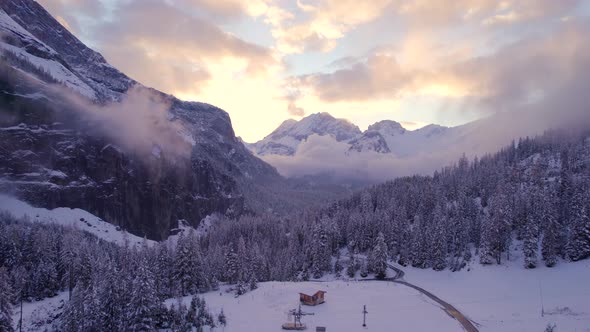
column 221, row 319
column 551, row 243
column 144, row 304
column 231, row 266
column 5, row 302
column 579, row 246
column 380, row 257
column 530, row 242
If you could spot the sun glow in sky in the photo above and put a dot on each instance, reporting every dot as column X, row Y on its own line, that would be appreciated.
column 264, row 61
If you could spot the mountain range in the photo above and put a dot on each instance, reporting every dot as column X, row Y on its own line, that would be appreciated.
column 73, row 132
column 321, row 144
column 386, row 136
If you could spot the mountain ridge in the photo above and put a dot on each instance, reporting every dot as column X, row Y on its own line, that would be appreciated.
column 59, row 102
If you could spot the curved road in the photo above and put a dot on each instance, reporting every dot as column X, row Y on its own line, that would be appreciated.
column 448, row 308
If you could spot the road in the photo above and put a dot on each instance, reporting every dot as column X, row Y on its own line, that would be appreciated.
column 448, row 308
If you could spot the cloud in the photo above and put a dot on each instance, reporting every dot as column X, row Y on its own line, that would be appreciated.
column 174, row 38
column 378, row 76
column 525, row 88
column 293, row 109
column 517, row 74
column 72, row 13
column 324, row 24
column 325, row 155
column 139, row 124
column 172, row 52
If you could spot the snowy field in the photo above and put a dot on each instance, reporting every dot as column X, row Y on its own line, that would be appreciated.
column 81, row 219
column 38, row 315
column 391, row 307
column 508, row 297
column 497, row 298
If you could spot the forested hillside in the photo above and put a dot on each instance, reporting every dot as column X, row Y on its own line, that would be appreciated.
column 536, row 192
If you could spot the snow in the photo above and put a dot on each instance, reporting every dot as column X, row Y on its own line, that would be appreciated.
column 34, row 95
column 52, row 67
column 508, row 297
column 37, row 315
column 9, row 25
column 55, row 69
column 290, row 134
column 79, row 218
column 390, row 306
column 156, row 151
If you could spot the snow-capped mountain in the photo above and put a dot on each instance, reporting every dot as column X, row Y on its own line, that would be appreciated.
column 386, row 149
column 386, row 136
column 287, row 137
column 402, row 142
column 52, row 156
column 32, row 34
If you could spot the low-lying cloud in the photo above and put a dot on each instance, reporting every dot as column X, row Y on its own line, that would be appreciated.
column 140, row 123
column 567, row 108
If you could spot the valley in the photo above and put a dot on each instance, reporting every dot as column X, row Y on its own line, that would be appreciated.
column 126, row 208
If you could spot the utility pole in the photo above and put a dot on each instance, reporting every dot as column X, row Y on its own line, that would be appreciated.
column 365, row 312
column 542, row 306
column 70, row 281
column 20, row 322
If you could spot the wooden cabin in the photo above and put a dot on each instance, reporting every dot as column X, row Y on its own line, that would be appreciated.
column 315, row 299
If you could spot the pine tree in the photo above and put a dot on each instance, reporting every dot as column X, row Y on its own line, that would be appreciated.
column 144, row 304
column 351, row 268
column 338, row 266
column 73, row 317
column 5, row 302
column 231, row 266
column 380, row 257
column 320, row 251
column 485, row 250
column 530, row 242
column 364, row 270
column 180, row 323
column 221, row 319
column 189, row 266
column 438, row 244
column 551, row 244
column 579, row 246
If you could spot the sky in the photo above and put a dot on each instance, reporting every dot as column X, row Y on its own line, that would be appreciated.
column 413, row 61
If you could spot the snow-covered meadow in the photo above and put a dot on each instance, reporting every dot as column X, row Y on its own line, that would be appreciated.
column 495, row 298
column 511, row 298
column 390, row 306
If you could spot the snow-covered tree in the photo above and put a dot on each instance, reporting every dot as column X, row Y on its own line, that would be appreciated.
column 530, row 242
column 145, row 304
column 221, row 319
column 379, row 257
column 5, row 302
column 579, row 246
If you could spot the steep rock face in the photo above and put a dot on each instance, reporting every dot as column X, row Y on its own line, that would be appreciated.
column 51, row 155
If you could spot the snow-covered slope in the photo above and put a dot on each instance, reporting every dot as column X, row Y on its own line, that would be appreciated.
column 19, row 42
column 79, row 218
column 511, row 298
column 287, row 137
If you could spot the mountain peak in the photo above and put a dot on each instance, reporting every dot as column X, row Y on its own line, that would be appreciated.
column 287, row 137
column 387, row 127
